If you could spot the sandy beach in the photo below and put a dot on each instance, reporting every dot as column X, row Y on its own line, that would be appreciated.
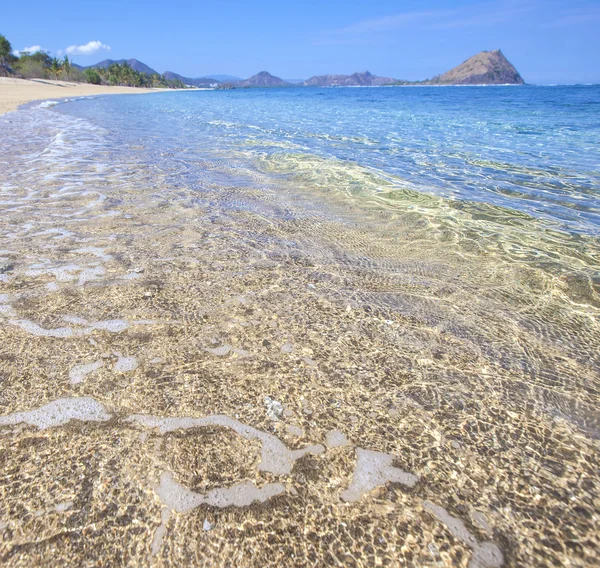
column 15, row 92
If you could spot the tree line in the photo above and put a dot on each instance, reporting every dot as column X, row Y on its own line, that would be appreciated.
column 40, row 65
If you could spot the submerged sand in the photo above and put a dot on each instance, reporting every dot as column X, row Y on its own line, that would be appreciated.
column 15, row 92
column 210, row 376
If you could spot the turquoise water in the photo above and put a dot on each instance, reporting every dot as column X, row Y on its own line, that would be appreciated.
column 534, row 150
column 366, row 322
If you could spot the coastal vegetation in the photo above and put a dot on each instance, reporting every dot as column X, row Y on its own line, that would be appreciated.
column 124, row 74
column 40, row 65
column 6, row 56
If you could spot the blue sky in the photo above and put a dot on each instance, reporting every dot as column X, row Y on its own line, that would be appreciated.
column 549, row 41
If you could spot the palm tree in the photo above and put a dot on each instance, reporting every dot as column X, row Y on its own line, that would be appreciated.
column 6, row 55
column 55, row 67
column 67, row 66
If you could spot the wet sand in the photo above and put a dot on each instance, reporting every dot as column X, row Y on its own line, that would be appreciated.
column 16, row 92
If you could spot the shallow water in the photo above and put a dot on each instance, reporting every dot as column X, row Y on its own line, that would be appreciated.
column 302, row 327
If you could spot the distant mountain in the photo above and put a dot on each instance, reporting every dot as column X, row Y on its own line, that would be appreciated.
column 133, row 63
column 263, row 79
column 485, row 68
column 226, row 78
column 198, row 82
column 364, row 79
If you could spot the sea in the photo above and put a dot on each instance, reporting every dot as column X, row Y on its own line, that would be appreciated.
column 302, row 326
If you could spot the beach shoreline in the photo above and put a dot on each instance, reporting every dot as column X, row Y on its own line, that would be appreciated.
column 16, row 92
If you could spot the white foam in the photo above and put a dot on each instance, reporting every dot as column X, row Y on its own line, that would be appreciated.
column 7, row 311
column 181, row 499
column 131, row 276
column 79, row 372
column 485, row 554
column 276, row 458
column 241, row 353
column 60, row 233
column 68, row 272
column 96, row 251
column 455, row 526
column 61, row 332
column 125, row 365
column 64, row 273
column 59, row 412
column 219, row 351
column 113, row 326
column 165, row 515
column 65, row 506
column 294, row 430
column 91, row 274
column 76, row 320
column 372, row 470
column 336, row 439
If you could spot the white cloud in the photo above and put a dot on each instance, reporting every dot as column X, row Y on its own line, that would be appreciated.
column 87, row 49
column 31, row 49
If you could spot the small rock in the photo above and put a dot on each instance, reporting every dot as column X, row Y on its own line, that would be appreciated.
column 207, row 525
column 274, row 408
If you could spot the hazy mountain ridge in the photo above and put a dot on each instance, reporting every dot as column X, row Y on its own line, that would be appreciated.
column 484, row 68
column 196, row 82
column 364, row 79
column 224, row 78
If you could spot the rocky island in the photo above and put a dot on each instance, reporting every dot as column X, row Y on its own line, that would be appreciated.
column 263, row 79
column 485, row 68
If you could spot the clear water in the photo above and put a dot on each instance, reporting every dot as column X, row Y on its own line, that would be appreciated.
column 302, row 327
column 534, row 150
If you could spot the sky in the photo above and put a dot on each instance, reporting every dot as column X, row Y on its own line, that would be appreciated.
column 548, row 41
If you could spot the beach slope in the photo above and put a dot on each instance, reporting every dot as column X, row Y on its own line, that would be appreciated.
column 15, row 92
